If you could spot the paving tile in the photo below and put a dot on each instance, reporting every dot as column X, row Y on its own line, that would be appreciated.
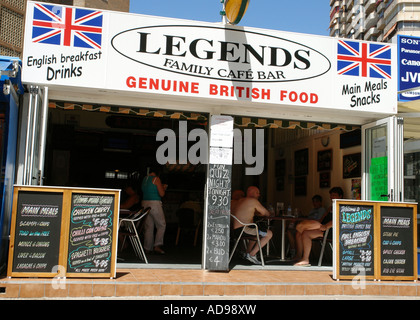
column 295, row 290
column 126, row 290
column 149, row 290
column 32, row 290
column 80, row 290
column 10, row 291
column 192, row 290
column 275, row 290
column 214, row 290
column 235, row 290
column 255, row 290
column 103, row 290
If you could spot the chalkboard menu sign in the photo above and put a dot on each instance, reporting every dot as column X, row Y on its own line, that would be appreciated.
column 398, row 248
column 218, row 217
column 63, row 232
column 375, row 240
column 219, row 194
column 91, row 225
column 356, row 239
column 37, row 235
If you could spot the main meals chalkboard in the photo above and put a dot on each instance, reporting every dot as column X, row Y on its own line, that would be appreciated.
column 68, row 232
column 37, row 234
column 398, row 248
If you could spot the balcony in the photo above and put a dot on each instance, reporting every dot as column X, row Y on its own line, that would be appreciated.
column 371, row 20
column 370, row 6
column 372, row 32
column 358, row 32
column 381, row 24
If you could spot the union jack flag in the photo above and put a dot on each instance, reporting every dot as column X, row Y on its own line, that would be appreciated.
column 70, row 27
column 364, row 59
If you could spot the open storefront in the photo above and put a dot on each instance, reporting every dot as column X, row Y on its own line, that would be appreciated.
column 309, row 112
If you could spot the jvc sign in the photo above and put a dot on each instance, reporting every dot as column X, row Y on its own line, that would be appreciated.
column 409, row 68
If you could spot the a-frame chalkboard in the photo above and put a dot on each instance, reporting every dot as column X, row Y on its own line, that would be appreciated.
column 64, row 232
column 375, row 240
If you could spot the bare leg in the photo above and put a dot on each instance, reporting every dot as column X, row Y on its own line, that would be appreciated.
column 299, row 245
column 263, row 241
column 307, row 237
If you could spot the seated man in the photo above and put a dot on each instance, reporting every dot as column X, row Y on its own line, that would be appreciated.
column 244, row 210
column 314, row 229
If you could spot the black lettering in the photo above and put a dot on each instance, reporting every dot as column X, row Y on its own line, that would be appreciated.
column 170, row 45
column 251, row 50
column 224, row 51
column 143, row 44
column 274, row 58
column 302, row 59
column 193, row 50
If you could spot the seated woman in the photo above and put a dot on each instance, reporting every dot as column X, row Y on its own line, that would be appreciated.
column 311, row 229
column 130, row 199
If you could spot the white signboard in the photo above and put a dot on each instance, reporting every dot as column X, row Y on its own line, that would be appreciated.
column 104, row 50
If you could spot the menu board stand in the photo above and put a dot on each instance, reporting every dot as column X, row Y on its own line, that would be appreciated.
column 65, row 232
column 375, row 240
column 217, row 228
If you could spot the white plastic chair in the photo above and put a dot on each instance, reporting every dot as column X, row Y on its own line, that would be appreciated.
column 247, row 237
column 131, row 224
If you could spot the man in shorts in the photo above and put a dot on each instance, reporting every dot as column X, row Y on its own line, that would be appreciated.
column 244, row 210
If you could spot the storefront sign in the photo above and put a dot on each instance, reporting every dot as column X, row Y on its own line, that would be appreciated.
column 374, row 240
column 103, row 50
column 409, row 67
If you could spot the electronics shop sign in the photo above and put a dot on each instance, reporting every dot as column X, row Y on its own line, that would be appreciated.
column 105, row 50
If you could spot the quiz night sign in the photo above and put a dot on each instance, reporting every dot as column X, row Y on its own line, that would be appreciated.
column 89, row 49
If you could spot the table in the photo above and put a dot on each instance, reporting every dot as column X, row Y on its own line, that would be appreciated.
column 283, row 220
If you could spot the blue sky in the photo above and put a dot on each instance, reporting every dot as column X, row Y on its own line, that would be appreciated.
column 305, row 16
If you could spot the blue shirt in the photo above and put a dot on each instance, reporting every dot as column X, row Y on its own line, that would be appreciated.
column 150, row 191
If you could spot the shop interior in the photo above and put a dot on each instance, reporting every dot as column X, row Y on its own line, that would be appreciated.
column 111, row 147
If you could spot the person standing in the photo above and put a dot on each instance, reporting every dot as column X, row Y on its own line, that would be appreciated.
column 153, row 191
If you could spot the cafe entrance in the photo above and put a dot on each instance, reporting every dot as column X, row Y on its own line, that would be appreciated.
column 92, row 145
column 112, row 147
column 306, row 82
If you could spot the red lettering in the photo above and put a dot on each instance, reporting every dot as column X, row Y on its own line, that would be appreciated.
column 163, row 84
column 302, row 97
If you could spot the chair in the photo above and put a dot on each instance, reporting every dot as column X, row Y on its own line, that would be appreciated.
column 131, row 224
column 246, row 238
column 186, row 222
column 323, row 240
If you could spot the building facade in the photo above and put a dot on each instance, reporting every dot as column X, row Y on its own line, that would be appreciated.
column 374, row 20
column 12, row 17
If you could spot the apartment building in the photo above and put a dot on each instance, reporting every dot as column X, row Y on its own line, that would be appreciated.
column 12, row 20
column 374, row 20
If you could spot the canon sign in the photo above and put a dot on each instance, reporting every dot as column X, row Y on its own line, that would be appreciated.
column 221, row 53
